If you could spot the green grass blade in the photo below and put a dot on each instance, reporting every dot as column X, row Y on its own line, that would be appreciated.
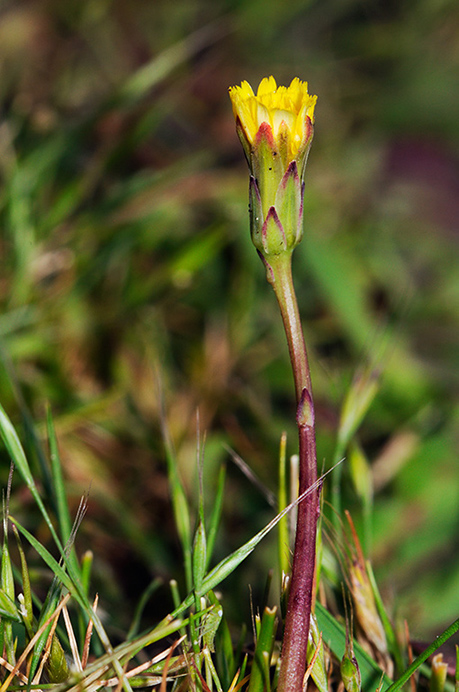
column 58, row 571
column 199, row 556
column 75, row 588
column 226, row 566
column 8, row 608
column 441, row 639
column 359, row 398
column 61, row 579
column 148, row 76
column 7, row 584
column 179, row 503
column 17, row 455
column 63, row 513
column 216, row 514
column 16, row 452
column 319, row 668
column 27, row 602
column 224, row 652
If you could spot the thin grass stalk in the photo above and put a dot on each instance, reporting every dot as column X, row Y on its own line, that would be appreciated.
column 441, row 639
column 283, row 532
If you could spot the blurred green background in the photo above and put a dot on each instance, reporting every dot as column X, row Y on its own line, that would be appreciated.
column 130, row 291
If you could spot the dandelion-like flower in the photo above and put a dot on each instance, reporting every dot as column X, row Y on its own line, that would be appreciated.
column 275, row 127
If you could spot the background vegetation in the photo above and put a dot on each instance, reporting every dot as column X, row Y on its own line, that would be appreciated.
column 130, row 293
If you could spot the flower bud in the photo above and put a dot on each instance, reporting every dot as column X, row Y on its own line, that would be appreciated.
column 275, row 127
column 350, row 673
column 349, row 667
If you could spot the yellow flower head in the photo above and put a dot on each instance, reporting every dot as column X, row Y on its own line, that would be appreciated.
column 289, row 112
column 275, row 127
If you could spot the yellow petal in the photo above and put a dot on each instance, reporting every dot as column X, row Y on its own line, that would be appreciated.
column 266, row 86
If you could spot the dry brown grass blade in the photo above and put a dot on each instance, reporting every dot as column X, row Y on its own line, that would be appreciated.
column 87, row 639
column 166, row 665
column 96, row 682
column 20, row 676
column 235, row 685
column 72, row 640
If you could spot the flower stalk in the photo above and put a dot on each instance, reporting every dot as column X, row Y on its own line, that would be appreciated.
column 275, row 127
column 301, row 596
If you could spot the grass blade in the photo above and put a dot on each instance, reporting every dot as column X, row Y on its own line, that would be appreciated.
column 441, row 639
column 216, row 514
column 63, row 513
column 18, row 457
column 226, row 566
